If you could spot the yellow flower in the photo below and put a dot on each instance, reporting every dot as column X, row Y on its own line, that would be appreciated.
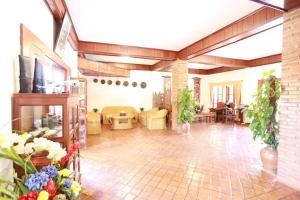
column 43, row 195
column 75, row 188
column 66, row 173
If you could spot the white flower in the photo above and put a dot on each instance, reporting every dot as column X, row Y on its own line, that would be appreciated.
column 54, row 148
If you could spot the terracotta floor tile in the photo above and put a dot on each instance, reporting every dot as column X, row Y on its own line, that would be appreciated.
column 214, row 161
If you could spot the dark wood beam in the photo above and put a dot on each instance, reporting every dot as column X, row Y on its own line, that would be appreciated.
column 58, row 8
column 161, row 65
column 284, row 5
column 221, row 69
column 92, row 67
column 265, row 60
column 197, row 71
column 221, row 61
column 130, row 66
column 122, row 50
column 252, row 24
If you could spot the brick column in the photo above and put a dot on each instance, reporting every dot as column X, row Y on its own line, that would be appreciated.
column 289, row 144
column 197, row 84
column 179, row 80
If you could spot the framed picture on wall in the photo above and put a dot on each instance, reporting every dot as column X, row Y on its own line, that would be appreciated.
column 62, row 37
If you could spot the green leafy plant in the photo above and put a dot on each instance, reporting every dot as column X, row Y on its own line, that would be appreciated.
column 95, row 110
column 186, row 110
column 263, row 112
column 141, row 109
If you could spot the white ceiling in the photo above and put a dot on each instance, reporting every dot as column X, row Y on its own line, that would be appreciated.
column 162, row 24
column 120, row 59
column 201, row 66
column 263, row 44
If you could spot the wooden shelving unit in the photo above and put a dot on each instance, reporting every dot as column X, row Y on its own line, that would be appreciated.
column 53, row 116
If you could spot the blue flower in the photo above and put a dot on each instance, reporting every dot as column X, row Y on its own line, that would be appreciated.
column 67, row 183
column 50, row 170
column 37, row 181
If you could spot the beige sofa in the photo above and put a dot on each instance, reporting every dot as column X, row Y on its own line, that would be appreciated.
column 143, row 115
column 109, row 111
column 157, row 120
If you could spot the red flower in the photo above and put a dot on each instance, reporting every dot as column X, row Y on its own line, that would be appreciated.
column 29, row 196
column 70, row 152
column 50, row 188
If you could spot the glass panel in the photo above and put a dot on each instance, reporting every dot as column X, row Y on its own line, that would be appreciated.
column 42, row 121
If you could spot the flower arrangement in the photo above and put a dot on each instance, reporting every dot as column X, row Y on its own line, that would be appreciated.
column 53, row 182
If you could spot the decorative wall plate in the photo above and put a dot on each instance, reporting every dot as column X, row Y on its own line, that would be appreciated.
column 109, row 82
column 95, row 80
column 134, row 84
column 118, row 82
column 126, row 83
column 102, row 81
column 143, row 84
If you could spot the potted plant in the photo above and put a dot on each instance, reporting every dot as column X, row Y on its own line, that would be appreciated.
column 141, row 109
column 95, row 110
column 186, row 109
column 263, row 113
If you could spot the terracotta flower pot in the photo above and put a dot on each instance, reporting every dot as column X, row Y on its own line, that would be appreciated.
column 269, row 158
column 185, row 127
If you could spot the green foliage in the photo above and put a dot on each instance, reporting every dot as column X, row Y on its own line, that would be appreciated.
column 95, row 110
column 263, row 112
column 186, row 110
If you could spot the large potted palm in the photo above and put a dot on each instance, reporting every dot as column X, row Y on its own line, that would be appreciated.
column 263, row 113
column 186, row 109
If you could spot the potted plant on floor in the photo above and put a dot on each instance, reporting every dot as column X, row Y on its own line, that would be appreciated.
column 186, row 109
column 263, row 113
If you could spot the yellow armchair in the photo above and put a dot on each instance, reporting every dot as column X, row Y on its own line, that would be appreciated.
column 94, row 123
column 143, row 115
column 109, row 111
column 157, row 120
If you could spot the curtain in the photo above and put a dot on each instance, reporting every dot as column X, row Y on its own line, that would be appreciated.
column 237, row 85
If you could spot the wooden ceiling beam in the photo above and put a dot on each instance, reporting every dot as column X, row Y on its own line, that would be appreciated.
column 130, row 66
column 161, row 65
column 122, row 50
column 254, row 23
column 58, row 8
column 284, row 5
column 265, row 60
column 222, row 61
column 101, row 68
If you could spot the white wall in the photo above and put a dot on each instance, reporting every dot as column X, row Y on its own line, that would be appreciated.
column 101, row 95
column 35, row 15
column 249, row 76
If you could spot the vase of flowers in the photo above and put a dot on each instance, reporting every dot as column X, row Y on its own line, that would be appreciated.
column 52, row 182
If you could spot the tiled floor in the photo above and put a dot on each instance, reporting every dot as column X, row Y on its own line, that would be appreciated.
column 214, row 161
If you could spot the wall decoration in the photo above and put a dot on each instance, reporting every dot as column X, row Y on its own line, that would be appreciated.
column 63, row 36
column 109, row 82
column 126, row 83
column 143, row 85
column 118, row 82
column 95, row 80
column 134, row 84
column 102, row 81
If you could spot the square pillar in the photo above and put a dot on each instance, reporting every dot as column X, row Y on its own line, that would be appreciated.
column 197, row 86
column 289, row 144
column 179, row 81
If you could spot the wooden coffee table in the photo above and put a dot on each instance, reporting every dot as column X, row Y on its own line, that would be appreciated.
column 207, row 116
column 121, row 122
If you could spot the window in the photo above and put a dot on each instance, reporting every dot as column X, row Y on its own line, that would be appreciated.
column 217, row 95
column 220, row 96
column 230, row 93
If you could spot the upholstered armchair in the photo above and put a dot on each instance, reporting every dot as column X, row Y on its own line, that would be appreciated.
column 143, row 115
column 157, row 120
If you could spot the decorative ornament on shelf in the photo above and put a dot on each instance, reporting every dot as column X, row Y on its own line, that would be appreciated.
column 53, row 181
